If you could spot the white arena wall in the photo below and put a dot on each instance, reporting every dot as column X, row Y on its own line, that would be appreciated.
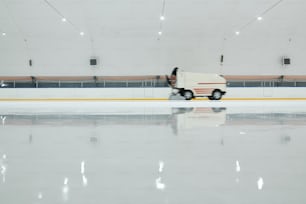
column 140, row 93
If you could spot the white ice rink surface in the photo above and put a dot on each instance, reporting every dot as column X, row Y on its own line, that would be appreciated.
column 171, row 152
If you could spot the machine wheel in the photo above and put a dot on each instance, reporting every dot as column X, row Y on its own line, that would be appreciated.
column 216, row 95
column 188, row 95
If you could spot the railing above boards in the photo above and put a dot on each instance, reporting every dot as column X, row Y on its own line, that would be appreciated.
column 83, row 82
column 140, row 81
column 266, row 81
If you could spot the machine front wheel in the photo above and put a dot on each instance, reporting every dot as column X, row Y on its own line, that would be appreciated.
column 188, row 95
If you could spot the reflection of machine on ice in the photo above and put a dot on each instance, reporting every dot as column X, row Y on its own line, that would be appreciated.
column 189, row 118
column 175, row 118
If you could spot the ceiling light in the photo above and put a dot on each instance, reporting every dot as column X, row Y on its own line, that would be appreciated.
column 82, row 33
column 64, row 19
column 4, row 34
column 259, row 18
column 237, row 33
column 160, row 33
column 162, row 18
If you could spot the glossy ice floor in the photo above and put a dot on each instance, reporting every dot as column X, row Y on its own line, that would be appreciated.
column 153, row 152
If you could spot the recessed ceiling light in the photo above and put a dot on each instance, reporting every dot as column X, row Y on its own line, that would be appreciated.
column 4, row 34
column 82, row 33
column 237, row 32
column 160, row 33
column 162, row 18
column 64, row 19
column 259, row 18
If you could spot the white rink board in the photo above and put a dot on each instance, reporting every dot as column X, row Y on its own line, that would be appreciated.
column 141, row 93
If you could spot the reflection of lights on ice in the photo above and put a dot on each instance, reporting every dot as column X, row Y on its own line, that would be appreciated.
column 66, row 181
column 3, row 171
column 65, row 189
column 237, row 166
column 159, row 184
column 3, row 119
column 260, row 183
column 82, row 167
column 3, row 167
column 40, row 196
column 161, row 166
column 238, row 169
column 84, row 179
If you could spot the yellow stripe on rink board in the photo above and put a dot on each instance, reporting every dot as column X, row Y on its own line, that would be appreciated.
column 139, row 99
column 83, row 99
column 254, row 99
column 267, row 99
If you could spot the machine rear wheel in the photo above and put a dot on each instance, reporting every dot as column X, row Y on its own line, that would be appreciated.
column 216, row 95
